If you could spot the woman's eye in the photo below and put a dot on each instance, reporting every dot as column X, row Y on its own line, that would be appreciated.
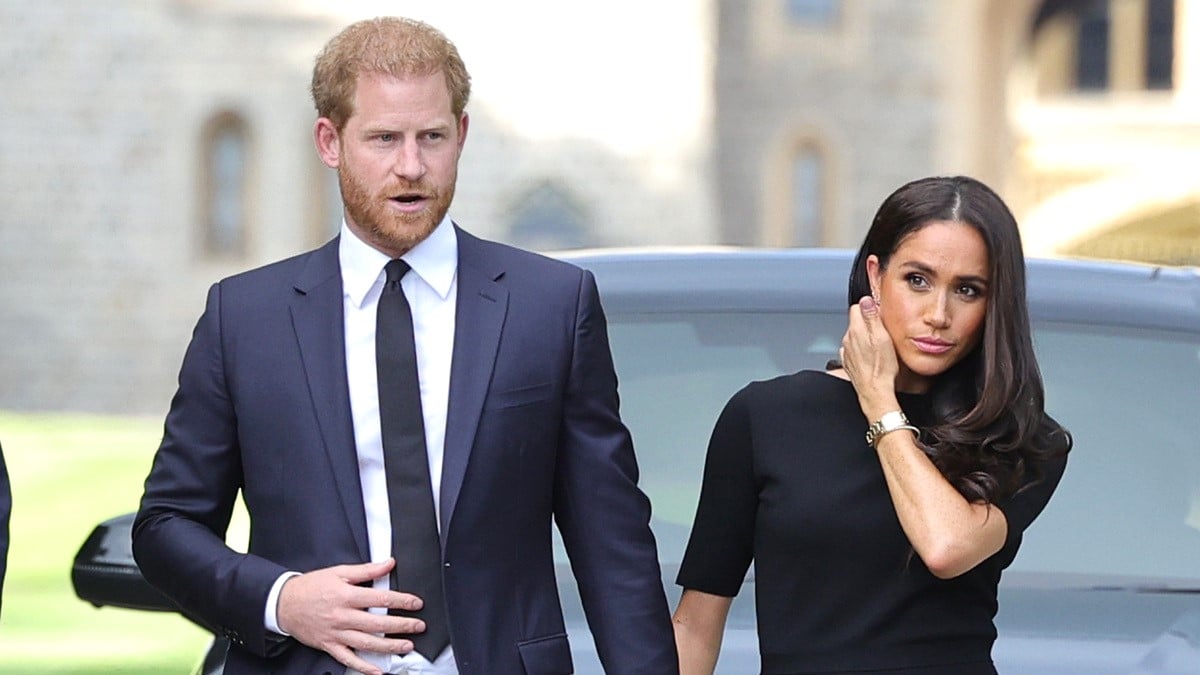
column 916, row 281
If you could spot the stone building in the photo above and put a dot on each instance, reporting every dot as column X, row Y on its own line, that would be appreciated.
column 152, row 147
column 132, row 174
column 1084, row 114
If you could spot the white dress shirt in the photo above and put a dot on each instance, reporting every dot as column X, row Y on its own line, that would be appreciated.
column 431, row 288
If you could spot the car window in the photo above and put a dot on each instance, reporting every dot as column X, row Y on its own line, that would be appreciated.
column 677, row 371
column 1129, row 503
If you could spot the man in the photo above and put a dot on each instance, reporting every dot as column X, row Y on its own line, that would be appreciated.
column 299, row 386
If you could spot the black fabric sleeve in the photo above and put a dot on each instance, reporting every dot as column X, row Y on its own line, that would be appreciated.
column 721, row 545
column 1021, row 509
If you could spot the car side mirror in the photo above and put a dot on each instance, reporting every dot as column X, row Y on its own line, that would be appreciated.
column 105, row 573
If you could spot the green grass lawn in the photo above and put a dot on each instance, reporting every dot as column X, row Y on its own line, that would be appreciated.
column 68, row 473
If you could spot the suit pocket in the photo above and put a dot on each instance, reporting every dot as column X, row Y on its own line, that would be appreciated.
column 547, row 655
column 512, row 398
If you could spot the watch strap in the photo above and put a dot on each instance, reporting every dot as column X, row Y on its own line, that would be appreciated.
column 887, row 423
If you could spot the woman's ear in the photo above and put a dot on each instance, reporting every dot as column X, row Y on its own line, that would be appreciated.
column 874, row 275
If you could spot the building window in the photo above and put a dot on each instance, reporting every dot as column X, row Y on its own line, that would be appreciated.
column 1091, row 56
column 1160, row 44
column 547, row 218
column 812, row 12
column 1102, row 45
column 806, row 194
column 226, row 191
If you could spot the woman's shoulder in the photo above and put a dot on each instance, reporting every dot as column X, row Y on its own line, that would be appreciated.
column 805, row 386
column 802, row 380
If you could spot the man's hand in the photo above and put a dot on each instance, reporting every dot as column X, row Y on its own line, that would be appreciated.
column 326, row 609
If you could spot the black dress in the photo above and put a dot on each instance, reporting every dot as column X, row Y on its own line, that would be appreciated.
column 791, row 484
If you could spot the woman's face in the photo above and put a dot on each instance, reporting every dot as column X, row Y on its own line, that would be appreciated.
column 932, row 299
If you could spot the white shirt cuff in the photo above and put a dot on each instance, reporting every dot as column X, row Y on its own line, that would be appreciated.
column 271, row 615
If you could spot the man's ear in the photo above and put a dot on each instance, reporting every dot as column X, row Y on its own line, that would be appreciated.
column 329, row 146
column 463, row 123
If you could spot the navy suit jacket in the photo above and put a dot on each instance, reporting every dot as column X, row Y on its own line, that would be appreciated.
column 533, row 435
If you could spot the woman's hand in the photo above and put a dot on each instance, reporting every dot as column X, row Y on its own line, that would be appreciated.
column 869, row 358
column 950, row 534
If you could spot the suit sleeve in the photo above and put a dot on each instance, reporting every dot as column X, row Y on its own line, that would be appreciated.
column 179, row 532
column 602, row 514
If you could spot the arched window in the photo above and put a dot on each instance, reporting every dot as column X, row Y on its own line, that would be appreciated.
column 225, row 195
column 807, row 196
column 799, row 189
column 547, row 218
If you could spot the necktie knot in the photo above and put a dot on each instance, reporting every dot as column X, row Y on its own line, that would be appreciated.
column 395, row 270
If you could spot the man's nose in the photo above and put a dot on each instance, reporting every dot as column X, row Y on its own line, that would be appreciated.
column 410, row 164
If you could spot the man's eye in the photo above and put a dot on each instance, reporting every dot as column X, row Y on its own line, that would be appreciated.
column 386, row 138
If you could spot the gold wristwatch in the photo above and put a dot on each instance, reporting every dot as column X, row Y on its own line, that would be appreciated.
column 890, row 422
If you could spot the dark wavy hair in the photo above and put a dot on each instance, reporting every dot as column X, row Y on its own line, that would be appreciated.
column 992, row 428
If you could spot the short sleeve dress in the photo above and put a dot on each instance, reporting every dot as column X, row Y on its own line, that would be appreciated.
column 791, row 484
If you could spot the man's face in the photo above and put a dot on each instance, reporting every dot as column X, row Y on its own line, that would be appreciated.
column 396, row 157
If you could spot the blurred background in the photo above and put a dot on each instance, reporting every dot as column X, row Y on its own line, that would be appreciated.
column 151, row 147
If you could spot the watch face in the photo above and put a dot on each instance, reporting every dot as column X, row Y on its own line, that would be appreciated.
column 887, row 423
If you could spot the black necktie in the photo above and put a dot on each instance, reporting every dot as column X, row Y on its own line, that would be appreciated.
column 415, row 543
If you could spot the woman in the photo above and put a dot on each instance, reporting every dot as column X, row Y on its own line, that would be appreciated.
column 881, row 499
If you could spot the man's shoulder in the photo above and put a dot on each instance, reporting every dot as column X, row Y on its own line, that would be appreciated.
column 288, row 269
column 474, row 250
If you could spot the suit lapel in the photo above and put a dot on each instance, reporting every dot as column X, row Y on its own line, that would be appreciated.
column 479, row 318
column 317, row 317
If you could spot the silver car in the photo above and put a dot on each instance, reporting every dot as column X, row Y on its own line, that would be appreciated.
column 1107, row 579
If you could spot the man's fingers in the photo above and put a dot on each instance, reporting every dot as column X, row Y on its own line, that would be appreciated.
column 373, row 597
column 388, row 624
column 348, row 658
column 362, row 572
column 360, row 641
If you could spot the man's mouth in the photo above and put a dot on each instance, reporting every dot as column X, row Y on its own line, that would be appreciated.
column 409, row 202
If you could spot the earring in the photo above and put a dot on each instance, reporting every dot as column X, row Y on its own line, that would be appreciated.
column 875, row 297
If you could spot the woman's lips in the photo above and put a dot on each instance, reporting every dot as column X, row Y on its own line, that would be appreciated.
column 933, row 345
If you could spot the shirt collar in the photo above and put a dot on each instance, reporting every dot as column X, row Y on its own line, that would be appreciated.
column 434, row 260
